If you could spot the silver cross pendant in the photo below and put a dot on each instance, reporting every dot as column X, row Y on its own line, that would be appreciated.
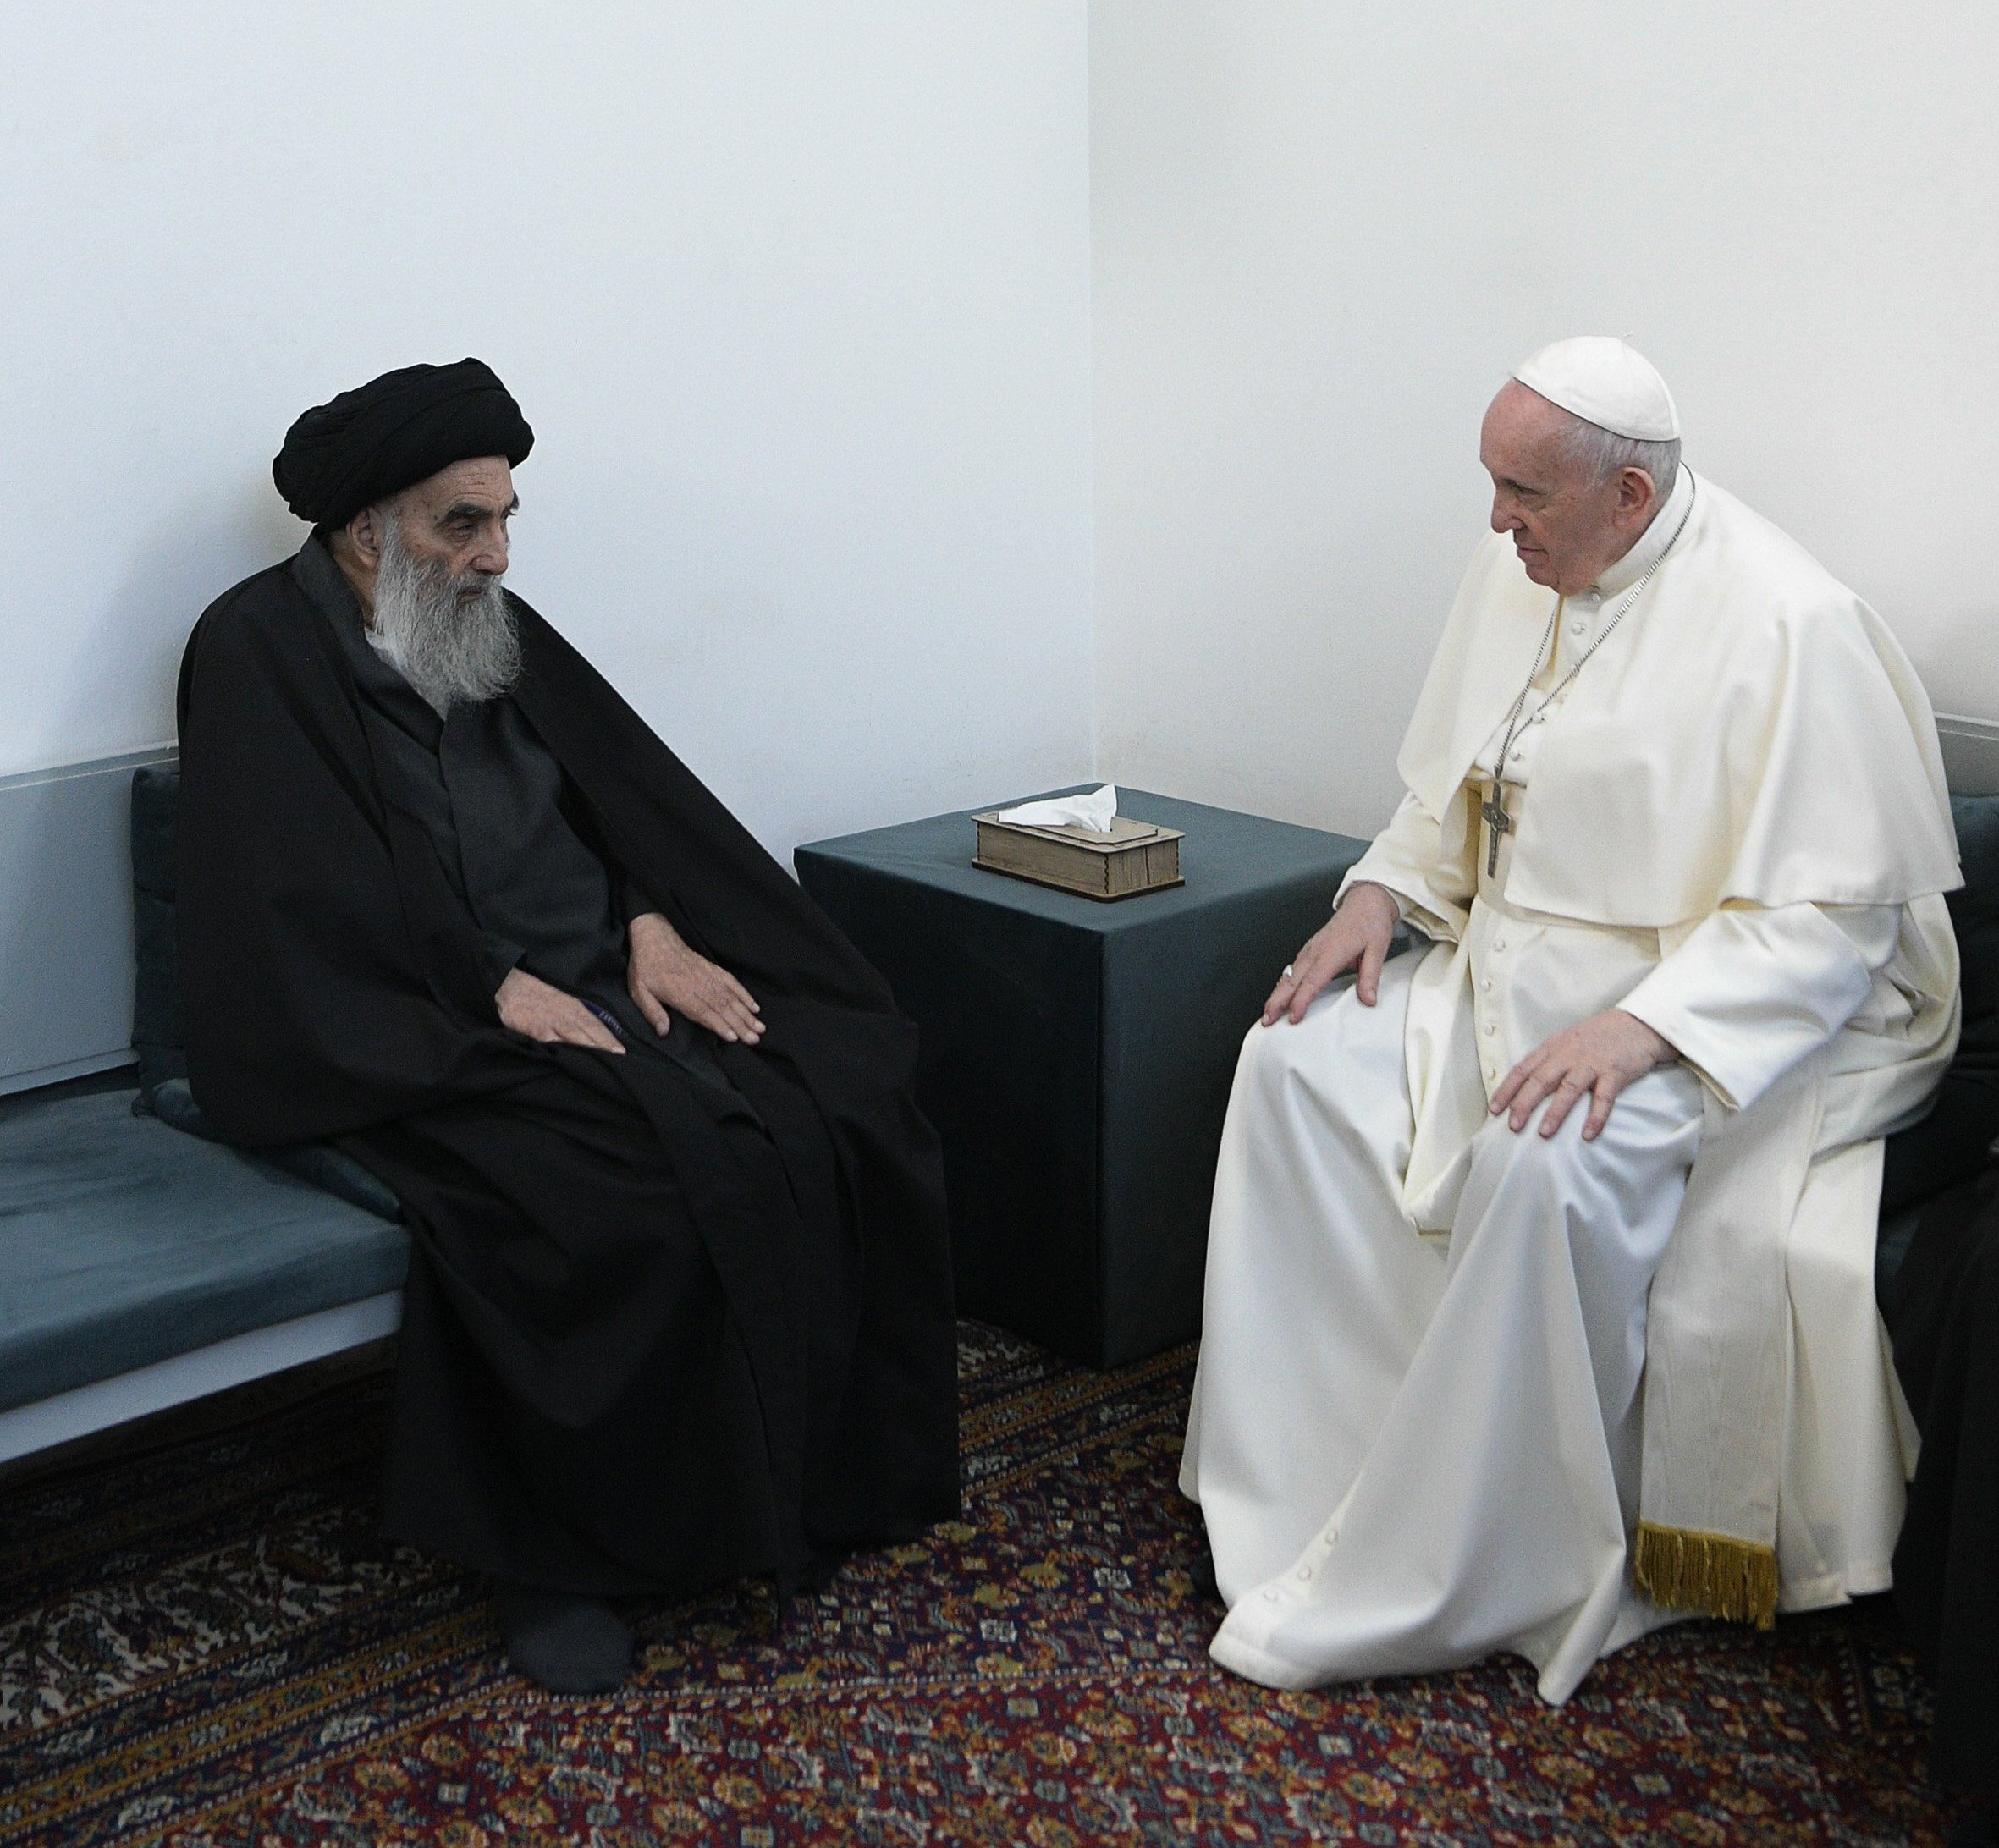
column 1494, row 812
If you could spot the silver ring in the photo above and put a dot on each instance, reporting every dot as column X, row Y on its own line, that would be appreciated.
column 1287, row 972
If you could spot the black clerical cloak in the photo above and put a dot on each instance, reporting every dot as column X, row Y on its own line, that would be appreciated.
column 661, row 1328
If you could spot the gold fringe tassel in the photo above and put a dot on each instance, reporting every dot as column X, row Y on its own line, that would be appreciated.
column 1713, row 1573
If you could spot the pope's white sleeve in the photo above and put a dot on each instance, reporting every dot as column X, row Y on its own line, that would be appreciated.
column 1752, row 991
column 1408, row 857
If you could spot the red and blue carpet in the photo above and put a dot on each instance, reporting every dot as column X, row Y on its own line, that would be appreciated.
column 203, row 1642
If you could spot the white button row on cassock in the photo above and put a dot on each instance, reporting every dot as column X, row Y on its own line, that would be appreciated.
column 1272, row 1593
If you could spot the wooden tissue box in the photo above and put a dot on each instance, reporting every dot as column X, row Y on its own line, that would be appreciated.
column 1133, row 857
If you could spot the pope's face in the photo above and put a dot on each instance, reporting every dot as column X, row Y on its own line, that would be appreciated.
column 1567, row 528
column 457, row 519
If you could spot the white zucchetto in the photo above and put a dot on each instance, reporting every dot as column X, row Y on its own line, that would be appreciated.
column 1604, row 382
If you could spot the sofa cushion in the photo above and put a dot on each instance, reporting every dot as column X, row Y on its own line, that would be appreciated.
column 156, row 1036
column 1974, row 913
column 1954, row 1140
column 123, row 1243
column 156, row 989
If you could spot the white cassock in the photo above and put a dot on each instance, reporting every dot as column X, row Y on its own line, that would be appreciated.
column 1424, row 1427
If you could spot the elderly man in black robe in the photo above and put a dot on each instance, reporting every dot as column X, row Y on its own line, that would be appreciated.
column 678, row 1307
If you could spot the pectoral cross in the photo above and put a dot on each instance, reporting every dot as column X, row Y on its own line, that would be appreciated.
column 1494, row 812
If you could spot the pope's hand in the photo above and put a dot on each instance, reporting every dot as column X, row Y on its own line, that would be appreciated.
column 662, row 972
column 530, row 1006
column 1601, row 1056
column 1358, row 936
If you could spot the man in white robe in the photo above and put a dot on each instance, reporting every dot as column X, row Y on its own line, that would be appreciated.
column 1538, row 1302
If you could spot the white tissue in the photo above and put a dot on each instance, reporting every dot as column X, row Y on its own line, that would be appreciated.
column 1096, row 812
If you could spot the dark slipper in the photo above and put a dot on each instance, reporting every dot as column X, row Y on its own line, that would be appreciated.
column 565, row 1642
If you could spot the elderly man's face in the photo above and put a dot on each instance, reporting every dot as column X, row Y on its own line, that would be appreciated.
column 1567, row 527
column 457, row 519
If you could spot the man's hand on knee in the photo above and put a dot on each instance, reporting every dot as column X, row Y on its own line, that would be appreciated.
column 1600, row 1056
column 664, row 971
column 531, row 1007
column 1356, row 936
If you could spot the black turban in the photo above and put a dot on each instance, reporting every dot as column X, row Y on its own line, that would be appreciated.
column 381, row 437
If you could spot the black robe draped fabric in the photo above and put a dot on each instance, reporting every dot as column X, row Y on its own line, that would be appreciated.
column 670, row 1319
column 1945, row 1321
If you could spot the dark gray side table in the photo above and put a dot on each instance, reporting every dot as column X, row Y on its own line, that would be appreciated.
column 1076, row 1055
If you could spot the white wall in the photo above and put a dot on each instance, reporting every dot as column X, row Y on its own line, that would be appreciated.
column 795, row 296
column 1324, row 232
column 799, row 298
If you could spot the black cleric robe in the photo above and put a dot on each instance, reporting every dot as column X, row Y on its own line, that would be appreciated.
column 673, row 1317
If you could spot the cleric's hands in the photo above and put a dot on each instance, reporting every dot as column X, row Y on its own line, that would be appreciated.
column 1601, row 1056
column 1359, row 934
column 662, row 972
column 529, row 1006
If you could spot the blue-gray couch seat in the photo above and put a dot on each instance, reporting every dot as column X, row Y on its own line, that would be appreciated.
column 124, row 1243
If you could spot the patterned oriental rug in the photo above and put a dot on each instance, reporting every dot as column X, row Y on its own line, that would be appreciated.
column 203, row 1642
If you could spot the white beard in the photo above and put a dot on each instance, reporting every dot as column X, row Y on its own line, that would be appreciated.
column 452, row 636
